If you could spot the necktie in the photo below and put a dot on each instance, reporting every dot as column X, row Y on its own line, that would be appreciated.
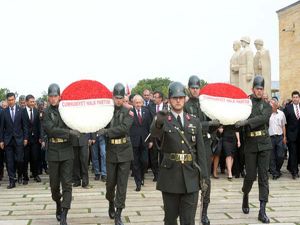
column 31, row 116
column 147, row 103
column 157, row 108
column 12, row 114
column 297, row 112
column 180, row 123
column 140, row 117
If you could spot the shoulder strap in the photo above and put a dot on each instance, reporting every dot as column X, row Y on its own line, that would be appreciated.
column 192, row 151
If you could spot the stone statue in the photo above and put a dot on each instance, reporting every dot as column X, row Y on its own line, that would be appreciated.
column 246, row 72
column 234, row 64
column 262, row 65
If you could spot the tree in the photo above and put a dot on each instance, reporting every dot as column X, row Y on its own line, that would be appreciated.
column 202, row 83
column 155, row 84
column 3, row 92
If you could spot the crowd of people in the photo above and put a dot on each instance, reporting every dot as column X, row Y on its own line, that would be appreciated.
column 32, row 132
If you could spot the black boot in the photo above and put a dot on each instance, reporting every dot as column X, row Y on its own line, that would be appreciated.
column 204, row 218
column 118, row 220
column 245, row 205
column 111, row 210
column 58, row 210
column 63, row 216
column 262, row 216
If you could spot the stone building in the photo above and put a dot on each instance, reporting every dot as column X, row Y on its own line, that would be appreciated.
column 289, row 49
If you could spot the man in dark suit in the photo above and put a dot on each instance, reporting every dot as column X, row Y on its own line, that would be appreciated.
column 138, row 134
column 81, row 160
column 146, row 96
column 13, row 138
column 1, row 153
column 292, row 114
column 154, row 151
column 33, row 149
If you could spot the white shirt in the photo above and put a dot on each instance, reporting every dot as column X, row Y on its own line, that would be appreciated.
column 14, row 107
column 137, row 112
column 28, row 112
column 160, row 106
column 295, row 110
column 276, row 123
column 181, row 116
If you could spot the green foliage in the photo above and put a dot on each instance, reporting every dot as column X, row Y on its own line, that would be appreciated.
column 3, row 92
column 202, row 83
column 155, row 84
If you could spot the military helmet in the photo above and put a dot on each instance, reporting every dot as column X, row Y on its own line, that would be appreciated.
column 119, row 90
column 176, row 89
column 53, row 90
column 194, row 82
column 246, row 39
column 259, row 42
column 258, row 82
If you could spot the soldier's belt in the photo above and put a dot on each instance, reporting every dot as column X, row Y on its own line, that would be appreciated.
column 257, row 133
column 180, row 157
column 57, row 140
column 118, row 141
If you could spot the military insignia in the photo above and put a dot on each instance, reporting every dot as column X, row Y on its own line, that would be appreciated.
column 187, row 116
column 131, row 113
column 169, row 118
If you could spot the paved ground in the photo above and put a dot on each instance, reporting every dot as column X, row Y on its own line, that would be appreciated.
column 32, row 204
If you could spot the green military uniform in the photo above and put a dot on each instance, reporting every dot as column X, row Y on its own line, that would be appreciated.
column 60, row 156
column 192, row 107
column 257, row 148
column 119, row 154
column 178, row 178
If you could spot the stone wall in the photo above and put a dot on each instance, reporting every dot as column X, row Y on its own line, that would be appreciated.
column 289, row 50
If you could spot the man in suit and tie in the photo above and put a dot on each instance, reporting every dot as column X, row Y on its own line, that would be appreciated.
column 138, row 134
column 292, row 114
column 33, row 149
column 147, row 101
column 154, row 151
column 13, row 138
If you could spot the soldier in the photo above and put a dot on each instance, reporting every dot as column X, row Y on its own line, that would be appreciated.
column 193, row 108
column 60, row 154
column 184, row 156
column 258, row 147
column 119, row 154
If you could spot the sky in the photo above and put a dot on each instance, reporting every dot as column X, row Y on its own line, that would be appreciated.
column 44, row 42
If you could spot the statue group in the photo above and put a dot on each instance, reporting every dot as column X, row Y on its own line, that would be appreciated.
column 244, row 66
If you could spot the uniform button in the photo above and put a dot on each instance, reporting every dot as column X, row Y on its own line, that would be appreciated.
column 182, row 142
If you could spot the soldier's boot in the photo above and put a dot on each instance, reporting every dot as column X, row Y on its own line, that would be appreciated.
column 58, row 210
column 63, row 217
column 118, row 220
column 245, row 205
column 111, row 210
column 204, row 218
column 262, row 216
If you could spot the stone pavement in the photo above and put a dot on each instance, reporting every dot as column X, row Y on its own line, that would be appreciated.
column 32, row 204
